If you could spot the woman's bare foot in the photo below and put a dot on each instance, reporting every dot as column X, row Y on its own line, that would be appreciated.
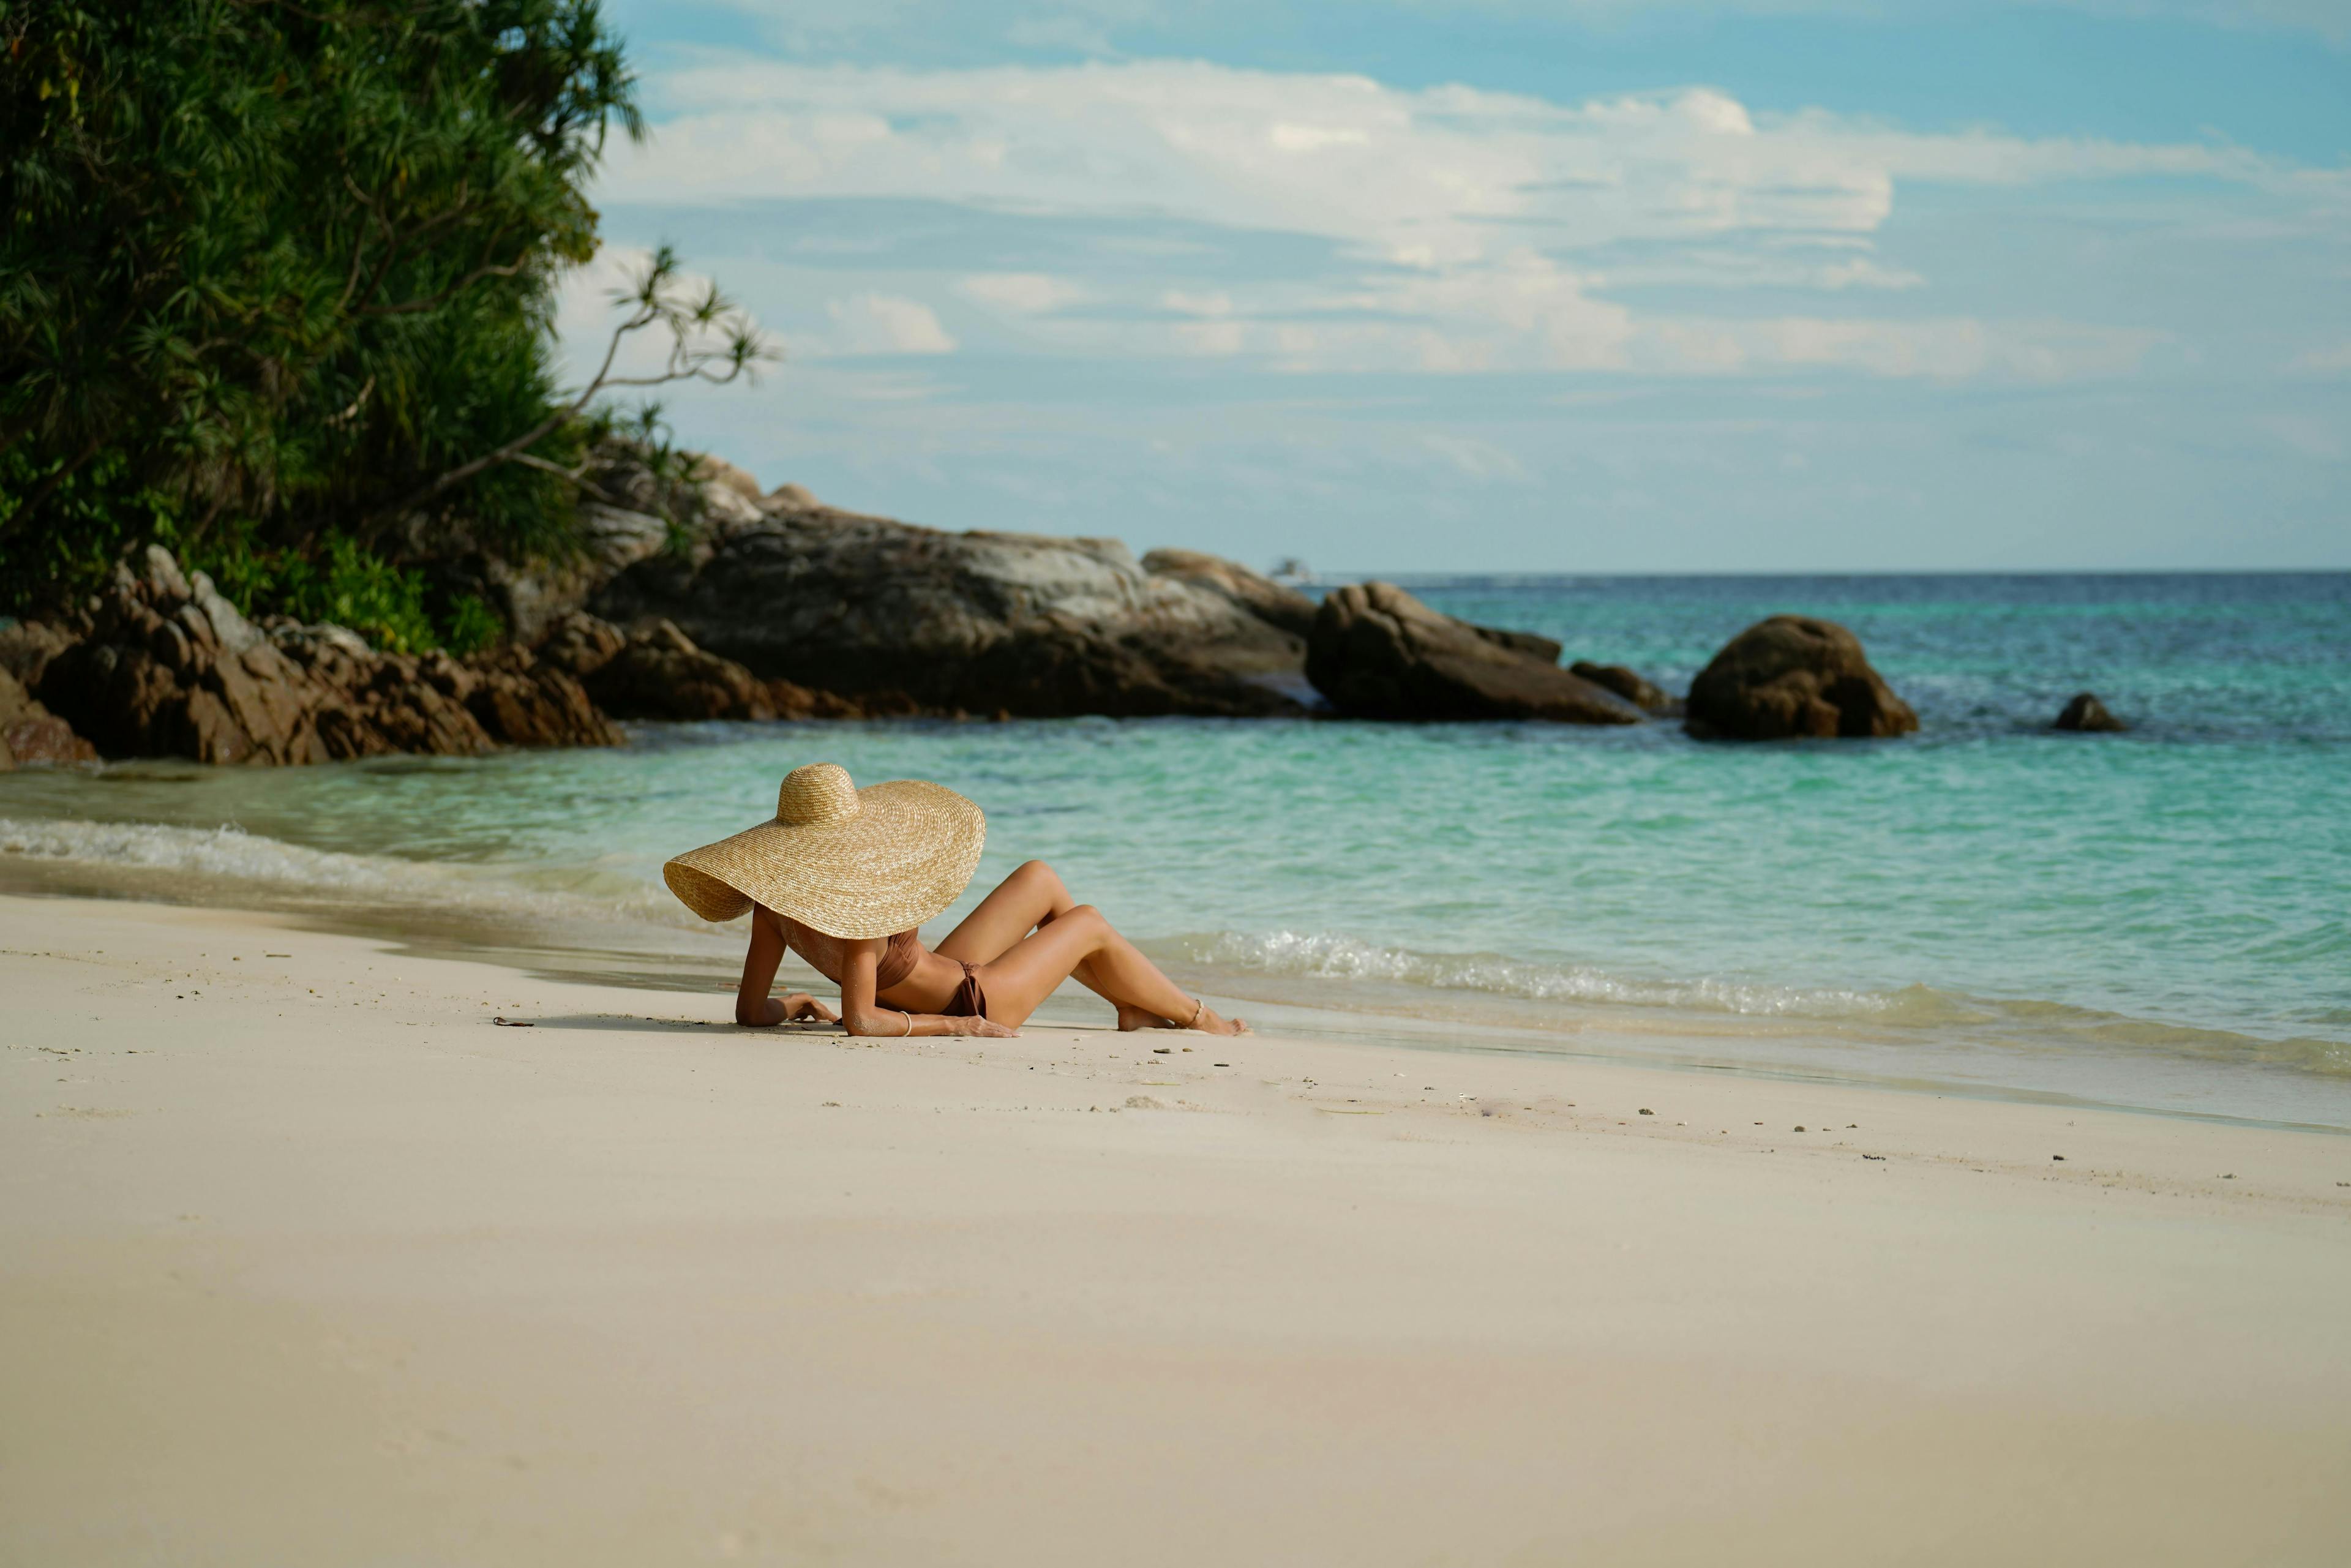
column 1207, row 1021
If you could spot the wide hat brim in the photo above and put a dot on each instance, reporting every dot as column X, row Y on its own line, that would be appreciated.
column 910, row 849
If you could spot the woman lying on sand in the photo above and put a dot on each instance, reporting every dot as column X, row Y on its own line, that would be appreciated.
column 844, row 876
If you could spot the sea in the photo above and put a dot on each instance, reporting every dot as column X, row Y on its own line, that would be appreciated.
column 2159, row 920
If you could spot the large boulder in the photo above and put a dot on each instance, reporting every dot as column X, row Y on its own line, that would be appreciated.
column 1376, row 652
column 2088, row 716
column 31, row 734
column 1262, row 597
column 1630, row 684
column 883, row 612
column 656, row 672
column 1794, row 675
column 169, row 668
column 27, row 646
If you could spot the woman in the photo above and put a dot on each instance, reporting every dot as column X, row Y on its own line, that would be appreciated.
column 844, row 876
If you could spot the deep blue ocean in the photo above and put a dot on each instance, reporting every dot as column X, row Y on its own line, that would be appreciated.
column 2161, row 918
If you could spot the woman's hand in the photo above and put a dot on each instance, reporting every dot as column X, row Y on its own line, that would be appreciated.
column 793, row 1006
column 987, row 1029
column 800, row 1005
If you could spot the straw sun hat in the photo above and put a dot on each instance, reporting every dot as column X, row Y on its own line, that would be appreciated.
column 843, row 861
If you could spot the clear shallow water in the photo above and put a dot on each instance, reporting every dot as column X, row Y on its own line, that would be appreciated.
column 2161, row 918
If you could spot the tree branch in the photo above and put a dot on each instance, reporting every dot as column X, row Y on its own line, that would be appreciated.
column 560, row 472
column 743, row 351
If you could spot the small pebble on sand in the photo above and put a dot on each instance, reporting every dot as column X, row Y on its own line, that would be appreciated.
column 1646, row 1111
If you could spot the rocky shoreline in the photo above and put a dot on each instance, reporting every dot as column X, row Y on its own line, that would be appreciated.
column 770, row 605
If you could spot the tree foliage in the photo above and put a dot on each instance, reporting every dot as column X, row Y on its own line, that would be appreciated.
column 273, row 271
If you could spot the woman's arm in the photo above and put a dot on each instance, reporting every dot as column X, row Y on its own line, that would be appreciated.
column 861, row 1015
column 754, row 1007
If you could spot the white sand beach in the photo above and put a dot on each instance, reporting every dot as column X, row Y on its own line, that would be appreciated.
column 305, row 1260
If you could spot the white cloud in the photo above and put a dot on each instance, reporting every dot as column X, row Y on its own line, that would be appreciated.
column 885, row 324
column 1021, row 293
column 1473, row 231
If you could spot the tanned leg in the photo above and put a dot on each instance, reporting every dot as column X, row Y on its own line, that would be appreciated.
column 1026, row 975
column 1032, row 898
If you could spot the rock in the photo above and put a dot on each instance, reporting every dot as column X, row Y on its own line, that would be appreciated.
column 521, row 702
column 1627, row 685
column 1794, row 675
column 1261, row 597
column 1526, row 643
column 882, row 610
column 27, row 646
column 169, row 668
column 30, row 733
column 532, row 597
column 712, row 470
column 658, row 673
column 2086, row 713
column 580, row 643
column 1378, row 652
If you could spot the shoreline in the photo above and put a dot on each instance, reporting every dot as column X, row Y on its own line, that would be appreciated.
column 305, row 1252
column 580, row 939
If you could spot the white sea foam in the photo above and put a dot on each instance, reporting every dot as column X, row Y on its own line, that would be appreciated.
column 1325, row 955
column 228, row 854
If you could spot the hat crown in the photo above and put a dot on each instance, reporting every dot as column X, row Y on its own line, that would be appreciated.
column 815, row 795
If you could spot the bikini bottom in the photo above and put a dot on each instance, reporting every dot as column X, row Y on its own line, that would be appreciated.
column 970, row 1000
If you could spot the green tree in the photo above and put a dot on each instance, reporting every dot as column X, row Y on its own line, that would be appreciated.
column 273, row 273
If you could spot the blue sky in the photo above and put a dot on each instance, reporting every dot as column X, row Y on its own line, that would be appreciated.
column 1396, row 285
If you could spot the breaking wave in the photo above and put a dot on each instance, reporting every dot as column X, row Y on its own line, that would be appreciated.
column 1851, row 1013
column 168, row 860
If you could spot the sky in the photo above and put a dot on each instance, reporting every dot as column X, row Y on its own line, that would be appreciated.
column 1495, row 286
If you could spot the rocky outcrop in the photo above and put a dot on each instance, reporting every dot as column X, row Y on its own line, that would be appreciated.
column 883, row 613
column 1630, row 686
column 169, row 668
column 2087, row 715
column 1794, row 675
column 1375, row 652
column 27, row 646
column 1262, row 597
column 30, row 733
column 656, row 672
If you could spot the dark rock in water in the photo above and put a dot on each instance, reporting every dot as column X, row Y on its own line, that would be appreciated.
column 1260, row 596
column 520, row 702
column 30, row 733
column 659, row 674
column 1526, row 644
column 656, row 672
column 2088, row 714
column 867, row 608
column 1794, row 675
column 1626, row 683
column 1378, row 652
column 169, row 668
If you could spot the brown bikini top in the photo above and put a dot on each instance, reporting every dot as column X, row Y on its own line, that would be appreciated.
column 829, row 956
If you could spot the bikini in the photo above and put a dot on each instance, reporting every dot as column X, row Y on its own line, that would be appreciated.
column 828, row 956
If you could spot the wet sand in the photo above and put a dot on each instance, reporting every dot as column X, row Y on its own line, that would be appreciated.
column 304, row 1259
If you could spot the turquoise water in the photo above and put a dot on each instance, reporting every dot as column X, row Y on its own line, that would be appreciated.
column 2161, row 918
